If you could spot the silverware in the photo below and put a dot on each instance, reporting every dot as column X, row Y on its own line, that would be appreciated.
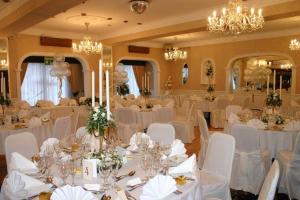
column 129, row 196
column 177, row 192
column 131, row 173
column 136, row 186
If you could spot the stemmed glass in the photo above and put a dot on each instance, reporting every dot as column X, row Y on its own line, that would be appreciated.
column 115, row 170
column 166, row 150
column 64, row 170
column 105, row 170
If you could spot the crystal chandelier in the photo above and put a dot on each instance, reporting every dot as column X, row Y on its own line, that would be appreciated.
column 174, row 53
column 235, row 19
column 87, row 45
column 294, row 45
column 257, row 70
column 138, row 6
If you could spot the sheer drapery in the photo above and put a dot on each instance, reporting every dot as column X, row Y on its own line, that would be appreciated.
column 132, row 83
column 138, row 73
column 23, row 71
column 39, row 85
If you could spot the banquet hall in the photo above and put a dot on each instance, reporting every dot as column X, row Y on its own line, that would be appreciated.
column 149, row 99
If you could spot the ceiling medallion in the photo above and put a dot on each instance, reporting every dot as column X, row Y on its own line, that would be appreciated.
column 87, row 45
column 173, row 53
column 294, row 45
column 235, row 19
column 139, row 6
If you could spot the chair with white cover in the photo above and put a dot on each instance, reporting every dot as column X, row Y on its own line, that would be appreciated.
column 81, row 132
column 232, row 109
column 218, row 116
column 268, row 189
column 216, row 173
column 164, row 115
column 204, row 137
column 162, row 133
column 289, row 162
column 126, row 123
column 62, row 127
column 251, row 163
column 23, row 143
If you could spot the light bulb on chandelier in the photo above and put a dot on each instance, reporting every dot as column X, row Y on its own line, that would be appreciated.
column 294, row 45
column 174, row 53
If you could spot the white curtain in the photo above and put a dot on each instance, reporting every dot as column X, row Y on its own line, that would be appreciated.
column 133, row 86
column 39, row 85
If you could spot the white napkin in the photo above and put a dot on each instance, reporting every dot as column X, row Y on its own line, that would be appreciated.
column 177, row 148
column 68, row 192
column 72, row 102
column 23, row 182
column 34, row 122
column 256, row 123
column 233, row 119
column 23, row 113
column 20, row 163
column 24, row 105
column 48, row 144
column 188, row 166
column 156, row 107
column 292, row 126
column 133, row 141
column 133, row 182
column 158, row 187
column 14, row 186
column 46, row 116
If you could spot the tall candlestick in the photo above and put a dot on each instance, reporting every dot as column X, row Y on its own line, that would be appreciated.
column 145, row 80
column 148, row 83
column 107, row 95
column 100, row 81
column 4, row 88
column 280, row 86
column 274, row 80
column 268, row 83
column 143, row 84
column 1, row 83
column 93, row 89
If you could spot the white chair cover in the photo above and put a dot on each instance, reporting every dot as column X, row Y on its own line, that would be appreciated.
column 62, row 127
column 162, row 133
column 216, row 173
column 81, row 132
column 23, row 143
column 218, row 116
column 232, row 109
column 250, row 163
column 290, row 167
column 164, row 115
column 269, row 187
column 204, row 137
column 126, row 123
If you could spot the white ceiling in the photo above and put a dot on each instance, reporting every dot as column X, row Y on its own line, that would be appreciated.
column 7, row 8
column 160, row 13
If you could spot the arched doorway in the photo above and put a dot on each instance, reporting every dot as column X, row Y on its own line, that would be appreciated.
column 150, row 65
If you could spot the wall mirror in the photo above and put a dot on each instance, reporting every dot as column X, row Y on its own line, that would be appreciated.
column 185, row 73
column 250, row 73
column 4, row 75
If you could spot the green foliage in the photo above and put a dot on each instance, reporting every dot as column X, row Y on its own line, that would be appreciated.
column 273, row 99
column 123, row 89
column 4, row 102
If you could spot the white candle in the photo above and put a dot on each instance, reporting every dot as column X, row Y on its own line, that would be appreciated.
column 4, row 87
column 143, row 82
column 100, row 81
column 93, row 89
column 274, row 80
column 280, row 86
column 148, row 83
column 107, row 95
column 268, row 83
column 1, row 83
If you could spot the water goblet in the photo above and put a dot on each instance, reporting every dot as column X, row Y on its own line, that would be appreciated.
column 64, row 170
column 115, row 170
column 105, row 170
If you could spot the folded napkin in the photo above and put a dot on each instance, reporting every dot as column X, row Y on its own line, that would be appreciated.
column 22, row 164
column 68, row 192
column 72, row 102
column 188, row 166
column 34, row 122
column 135, row 138
column 156, row 107
column 133, row 182
column 24, row 185
column 158, row 188
column 233, row 119
column 23, row 113
column 292, row 126
column 48, row 145
column 256, row 123
column 23, row 105
column 46, row 116
column 177, row 148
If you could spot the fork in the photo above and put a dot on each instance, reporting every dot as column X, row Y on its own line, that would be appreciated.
column 129, row 196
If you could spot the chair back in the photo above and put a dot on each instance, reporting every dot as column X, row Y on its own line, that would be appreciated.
column 62, row 127
column 164, row 115
column 162, row 133
column 81, row 132
column 23, row 143
column 247, row 138
column 222, row 103
column 219, row 155
column 202, row 126
column 268, row 189
column 126, row 116
column 232, row 109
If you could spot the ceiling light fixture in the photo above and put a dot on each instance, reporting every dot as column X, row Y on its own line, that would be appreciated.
column 294, row 45
column 235, row 19
column 87, row 45
column 139, row 6
column 174, row 53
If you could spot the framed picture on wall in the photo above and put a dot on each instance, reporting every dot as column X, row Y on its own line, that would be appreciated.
column 208, row 72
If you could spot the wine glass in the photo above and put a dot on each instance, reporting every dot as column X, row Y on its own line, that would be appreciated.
column 115, row 170
column 64, row 170
column 72, row 171
column 105, row 170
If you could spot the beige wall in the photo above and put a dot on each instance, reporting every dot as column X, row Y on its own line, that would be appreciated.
column 22, row 45
column 223, row 53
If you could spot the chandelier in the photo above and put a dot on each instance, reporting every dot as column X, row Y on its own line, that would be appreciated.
column 235, row 19
column 294, row 45
column 174, row 53
column 138, row 6
column 87, row 45
column 257, row 70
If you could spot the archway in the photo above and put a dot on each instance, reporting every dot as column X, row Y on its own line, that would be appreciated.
column 156, row 71
column 85, row 66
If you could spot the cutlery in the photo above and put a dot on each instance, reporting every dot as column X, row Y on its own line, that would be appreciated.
column 131, row 173
column 129, row 196
column 177, row 192
column 136, row 186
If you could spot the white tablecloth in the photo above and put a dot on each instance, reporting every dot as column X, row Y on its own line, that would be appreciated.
column 41, row 133
column 145, row 118
column 276, row 141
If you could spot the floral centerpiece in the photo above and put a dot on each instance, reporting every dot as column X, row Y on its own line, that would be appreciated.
column 106, row 157
column 209, row 70
column 149, row 105
column 145, row 92
column 273, row 99
column 87, row 101
column 4, row 102
column 277, row 118
column 123, row 89
column 99, row 122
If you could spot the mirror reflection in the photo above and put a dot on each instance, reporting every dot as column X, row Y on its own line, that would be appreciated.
column 185, row 74
column 4, row 83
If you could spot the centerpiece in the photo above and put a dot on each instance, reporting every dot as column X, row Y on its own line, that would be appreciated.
column 273, row 101
column 4, row 102
column 145, row 90
column 210, row 88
